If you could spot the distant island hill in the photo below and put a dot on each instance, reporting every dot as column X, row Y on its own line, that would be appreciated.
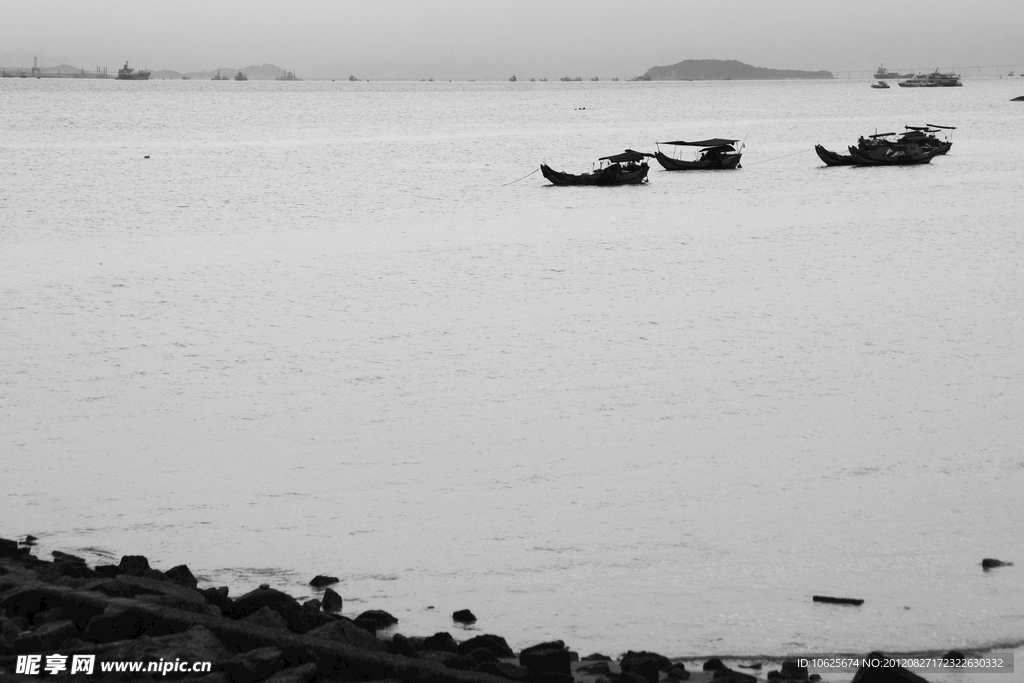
column 724, row 70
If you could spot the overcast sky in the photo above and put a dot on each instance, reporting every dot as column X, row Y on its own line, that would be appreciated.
column 495, row 38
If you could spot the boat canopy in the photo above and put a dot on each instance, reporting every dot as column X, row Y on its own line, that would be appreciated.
column 933, row 125
column 881, row 135
column 713, row 142
column 627, row 156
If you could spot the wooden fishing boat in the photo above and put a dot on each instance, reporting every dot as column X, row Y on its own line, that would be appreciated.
column 833, row 158
column 892, row 155
column 628, row 168
column 714, row 154
column 925, row 136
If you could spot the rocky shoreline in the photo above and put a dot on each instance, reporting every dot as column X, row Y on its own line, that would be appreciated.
column 131, row 612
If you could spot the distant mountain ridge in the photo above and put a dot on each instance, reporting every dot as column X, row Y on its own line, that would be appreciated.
column 721, row 70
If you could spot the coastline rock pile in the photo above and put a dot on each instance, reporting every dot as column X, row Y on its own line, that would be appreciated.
column 131, row 612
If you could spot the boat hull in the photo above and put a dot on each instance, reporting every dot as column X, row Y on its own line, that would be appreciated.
column 891, row 156
column 601, row 178
column 833, row 159
column 725, row 162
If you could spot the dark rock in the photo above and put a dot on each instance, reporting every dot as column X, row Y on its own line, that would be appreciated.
column 678, row 671
column 457, row 662
column 313, row 605
column 198, row 644
column 319, row 581
column 598, row 668
column 441, row 641
column 756, row 666
column 344, row 631
column 626, row 677
column 110, row 587
column 814, row 677
column 255, row 665
column 23, row 601
column 47, row 636
column 107, row 570
column 332, row 602
column 126, row 619
column 217, row 597
column 306, row 673
column 267, row 617
column 481, row 655
column 495, row 644
column 597, row 657
column 989, row 563
column 378, row 616
column 367, row 625
column 856, row 602
column 512, row 672
column 647, row 665
column 52, row 572
column 874, row 674
column 141, row 585
column 463, row 616
column 264, row 586
column 299, row 620
column 574, row 656
column 29, row 538
column 546, row 645
column 552, row 677
column 9, row 548
column 182, row 575
column 662, row 662
column 730, row 676
column 58, row 556
column 47, row 616
column 493, row 669
column 400, row 645
column 135, row 565
column 792, row 670
column 258, row 599
column 9, row 629
column 1018, row 99
column 956, row 657
column 713, row 664
column 546, row 658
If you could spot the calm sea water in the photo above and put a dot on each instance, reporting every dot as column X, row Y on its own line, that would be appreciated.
column 278, row 329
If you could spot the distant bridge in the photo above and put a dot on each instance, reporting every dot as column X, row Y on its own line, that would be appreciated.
column 965, row 71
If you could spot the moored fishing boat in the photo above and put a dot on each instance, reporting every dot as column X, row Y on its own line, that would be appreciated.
column 713, row 154
column 916, row 146
column 925, row 136
column 628, row 168
column 892, row 155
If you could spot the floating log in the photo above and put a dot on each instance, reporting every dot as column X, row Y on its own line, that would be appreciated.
column 838, row 601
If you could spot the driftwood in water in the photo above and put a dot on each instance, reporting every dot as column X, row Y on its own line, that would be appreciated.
column 838, row 601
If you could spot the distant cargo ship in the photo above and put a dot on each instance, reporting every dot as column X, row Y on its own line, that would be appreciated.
column 126, row 73
column 885, row 73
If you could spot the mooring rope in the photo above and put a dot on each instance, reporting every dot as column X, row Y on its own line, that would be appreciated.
column 775, row 158
column 523, row 178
